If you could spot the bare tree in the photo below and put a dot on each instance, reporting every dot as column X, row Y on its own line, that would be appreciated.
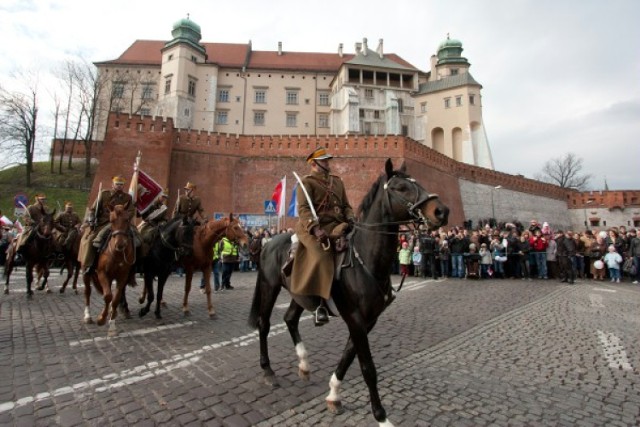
column 18, row 124
column 565, row 171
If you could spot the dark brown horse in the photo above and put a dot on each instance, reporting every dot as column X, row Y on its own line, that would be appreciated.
column 363, row 290
column 70, row 258
column 114, row 264
column 204, row 238
column 35, row 253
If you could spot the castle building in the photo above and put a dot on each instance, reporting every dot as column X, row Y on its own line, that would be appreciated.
column 232, row 89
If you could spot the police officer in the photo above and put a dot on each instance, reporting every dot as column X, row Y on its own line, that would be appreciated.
column 314, row 265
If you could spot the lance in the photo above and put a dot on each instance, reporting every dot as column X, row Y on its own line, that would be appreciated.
column 311, row 208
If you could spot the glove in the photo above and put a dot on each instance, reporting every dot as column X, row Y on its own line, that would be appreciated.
column 320, row 234
column 352, row 223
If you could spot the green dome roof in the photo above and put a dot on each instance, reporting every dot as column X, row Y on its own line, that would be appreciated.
column 450, row 51
column 188, row 24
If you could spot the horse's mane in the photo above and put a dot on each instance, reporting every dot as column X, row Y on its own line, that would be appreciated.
column 368, row 200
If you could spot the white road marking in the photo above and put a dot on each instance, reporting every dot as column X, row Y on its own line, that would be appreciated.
column 596, row 300
column 139, row 373
column 613, row 291
column 614, row 351
column 135, row 333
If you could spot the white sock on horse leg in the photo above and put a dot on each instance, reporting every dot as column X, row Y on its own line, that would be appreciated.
column 334, row 389
column 301, row 351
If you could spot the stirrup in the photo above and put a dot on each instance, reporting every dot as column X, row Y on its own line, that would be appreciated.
column 322, row 315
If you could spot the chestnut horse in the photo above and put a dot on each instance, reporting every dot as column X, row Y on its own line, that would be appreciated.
column 363, row 289
column 71, row 263
column 35, row 253
column 114, row 264
column 204, row 238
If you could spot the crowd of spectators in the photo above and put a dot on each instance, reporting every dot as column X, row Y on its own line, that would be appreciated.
column 528, row 252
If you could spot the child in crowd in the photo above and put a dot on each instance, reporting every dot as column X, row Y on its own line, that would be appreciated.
column 417, row 262
column 444, row 254
column 485, row 261
column 404, row 257
column 613, row 261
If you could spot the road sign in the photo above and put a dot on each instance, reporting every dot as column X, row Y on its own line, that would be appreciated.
column 20, row 198
column 269, row 207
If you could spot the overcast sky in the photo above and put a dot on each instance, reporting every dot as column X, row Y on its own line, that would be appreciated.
column 558, row 76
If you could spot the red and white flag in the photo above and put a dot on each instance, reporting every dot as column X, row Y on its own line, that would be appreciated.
column 278, row 196
column 147, row 192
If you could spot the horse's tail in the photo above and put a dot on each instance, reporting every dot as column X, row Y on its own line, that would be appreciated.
column 255, row 304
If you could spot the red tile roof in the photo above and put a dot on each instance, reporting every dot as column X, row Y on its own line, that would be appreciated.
column 233, row 55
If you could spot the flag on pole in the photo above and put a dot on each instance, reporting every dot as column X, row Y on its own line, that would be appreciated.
column 293, row 204
column 133, row 186
column 278, row 196
column 148, row 190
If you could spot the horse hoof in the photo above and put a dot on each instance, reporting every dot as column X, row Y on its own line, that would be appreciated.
column 158, row 316
column 186, row 313
column 112, row 333
column 40, row 288
column 141, row 300
column 335, row 407
column 213, row 315
column 127, row 314
column 88, row 320
column 304, row 375
column 48, row 291
column 75, row 291
column 142, row 312
column 6, row 291
column 100, row 321
column 30, row 295
column 271, row 381
column 62, row 290
column 163, row 304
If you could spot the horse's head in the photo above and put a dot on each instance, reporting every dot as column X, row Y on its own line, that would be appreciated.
column 406, row 200
column 234, row 231
column 45, row 226
column 119, row 217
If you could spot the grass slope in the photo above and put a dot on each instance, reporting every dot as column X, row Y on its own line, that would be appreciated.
column 70, row 185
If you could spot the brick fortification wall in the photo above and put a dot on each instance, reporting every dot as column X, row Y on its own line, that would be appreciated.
column 238, row 173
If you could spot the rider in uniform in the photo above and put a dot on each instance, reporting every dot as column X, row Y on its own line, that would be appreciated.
column 100, row 224
column 68, row 223
column 189, row 204
column 155, row 216
column 313, row 268
column 32, row 217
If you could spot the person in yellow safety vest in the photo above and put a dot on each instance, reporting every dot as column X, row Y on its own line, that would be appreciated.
column 228, row 251
column 215, row 269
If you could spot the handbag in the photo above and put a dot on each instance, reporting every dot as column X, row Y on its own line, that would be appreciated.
column 629, row 267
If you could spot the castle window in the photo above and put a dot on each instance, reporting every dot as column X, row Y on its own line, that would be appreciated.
column 458, row 101
column 376, row 114
column 400, row 106
column 447, row 102
column 170, row 57
column 423, row 107
column 222, row 117
column 323, row 120
column 368, row 93
column 223, row 95
column 472, row 100
column 118, row 89
column 167, row 86
column 292, row 120
column 292, row 97
column 192, row 88
column 261, row 97
column 454, row 71
column 147, row 91
column 194, row 58
column 323, row 98
column 145, row 112
column 258, row 118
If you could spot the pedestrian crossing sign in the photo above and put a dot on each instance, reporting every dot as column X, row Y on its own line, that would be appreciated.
column 269, row 207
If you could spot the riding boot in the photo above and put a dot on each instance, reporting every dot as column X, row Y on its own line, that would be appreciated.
column 322, row 314
column 288, row 266
column 92, row 261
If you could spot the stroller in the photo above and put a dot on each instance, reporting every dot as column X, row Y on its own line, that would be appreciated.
column 472, row 263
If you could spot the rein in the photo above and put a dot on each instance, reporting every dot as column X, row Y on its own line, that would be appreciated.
column 126, row 234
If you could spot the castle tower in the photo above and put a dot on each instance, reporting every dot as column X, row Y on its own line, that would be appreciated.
column 450, row 109
column 179, row 85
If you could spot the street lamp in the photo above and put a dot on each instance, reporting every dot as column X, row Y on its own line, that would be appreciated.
column 493, row 206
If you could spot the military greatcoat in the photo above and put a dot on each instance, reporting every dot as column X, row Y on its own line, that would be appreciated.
column 188, row 206
column 313, row 267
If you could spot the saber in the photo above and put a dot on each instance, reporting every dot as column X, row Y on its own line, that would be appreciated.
column 311, row 208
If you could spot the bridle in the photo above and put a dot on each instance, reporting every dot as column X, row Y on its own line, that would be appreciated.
column 417, row 217
column 123, row 250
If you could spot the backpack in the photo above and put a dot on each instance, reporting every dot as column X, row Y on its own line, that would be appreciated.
column 629, row 267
